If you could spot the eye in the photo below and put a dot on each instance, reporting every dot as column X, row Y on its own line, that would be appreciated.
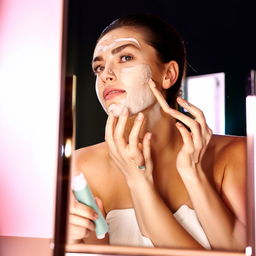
column 125, row 58
column 98, row 69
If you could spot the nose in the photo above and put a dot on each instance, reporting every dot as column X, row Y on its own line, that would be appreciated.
column 108, row 75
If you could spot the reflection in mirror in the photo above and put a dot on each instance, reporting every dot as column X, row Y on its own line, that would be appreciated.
column 160, row 178
column 213, row 106
column 251, row 160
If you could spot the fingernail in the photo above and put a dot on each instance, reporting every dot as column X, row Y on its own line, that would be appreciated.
column 171, row 111
column 95, row 216
column 140, row 116
column 125, row 111
column 187, row 104
column 179, row 124
column 183, row 101
column 149, row 135
column 153, row 83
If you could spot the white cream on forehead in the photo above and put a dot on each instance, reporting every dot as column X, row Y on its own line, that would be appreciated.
column 128, row 39
column 105, row 47
column 138, row 96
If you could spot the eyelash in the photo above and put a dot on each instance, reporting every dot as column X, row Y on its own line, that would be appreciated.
column 126, row 55
column 95, row 70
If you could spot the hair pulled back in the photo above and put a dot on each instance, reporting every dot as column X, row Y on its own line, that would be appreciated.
column 163, row 37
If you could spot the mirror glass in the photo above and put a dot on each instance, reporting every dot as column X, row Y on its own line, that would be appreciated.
column 214, row 49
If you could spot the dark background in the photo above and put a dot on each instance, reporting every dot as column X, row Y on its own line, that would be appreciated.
column 220, row 36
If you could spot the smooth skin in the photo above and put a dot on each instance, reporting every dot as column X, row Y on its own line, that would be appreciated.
column 204, row 171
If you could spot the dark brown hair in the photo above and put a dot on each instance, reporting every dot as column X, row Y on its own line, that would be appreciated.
column 163, row 37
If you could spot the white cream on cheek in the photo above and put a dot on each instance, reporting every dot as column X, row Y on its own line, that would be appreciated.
column 103, row 48
column 98, row 94
column 134, row 81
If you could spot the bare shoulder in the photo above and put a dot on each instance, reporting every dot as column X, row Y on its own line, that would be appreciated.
column 232, row 143
column 227, row 153
column 90, row 156
column 230, row 172
column 230, row 150
column 93, row 162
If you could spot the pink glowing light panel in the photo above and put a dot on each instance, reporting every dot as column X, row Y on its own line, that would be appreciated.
column 30, row 52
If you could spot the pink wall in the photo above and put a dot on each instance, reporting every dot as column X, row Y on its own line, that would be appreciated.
column 30, row 36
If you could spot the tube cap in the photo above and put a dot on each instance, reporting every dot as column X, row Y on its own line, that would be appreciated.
column 101, row 236
column 78, row 182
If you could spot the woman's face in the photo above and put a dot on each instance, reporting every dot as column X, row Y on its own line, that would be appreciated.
column 123, row 63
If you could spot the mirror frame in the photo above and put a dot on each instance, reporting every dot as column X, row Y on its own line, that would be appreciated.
column 67, row 134
column 125, row 250
column 63, row 182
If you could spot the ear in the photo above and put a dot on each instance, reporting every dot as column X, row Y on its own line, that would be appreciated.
column 171, row 74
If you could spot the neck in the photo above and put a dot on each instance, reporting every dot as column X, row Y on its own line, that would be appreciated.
column 165, row 135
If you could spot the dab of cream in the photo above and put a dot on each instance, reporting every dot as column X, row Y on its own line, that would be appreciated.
column 138, row 96
column 104, row 47
column 117, row 109
column 128, row 39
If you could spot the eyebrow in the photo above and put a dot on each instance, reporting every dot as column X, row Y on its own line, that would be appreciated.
column 115, row 51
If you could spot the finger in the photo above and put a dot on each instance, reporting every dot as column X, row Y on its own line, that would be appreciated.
column 72, row 199
column 76, row 233
column 196, row 112
column 160, row 98
column 120, row 128
column 186, row 137
column 192, row 124
column 206, row 132
column 83, row 211
column 100, row 204
column 109, row 132
column 178, row 115
column 110, row 126
column 81, row 222
column 134, row 135
column 147, row 151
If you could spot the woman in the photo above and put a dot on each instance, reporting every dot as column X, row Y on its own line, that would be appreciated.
column 161, row 178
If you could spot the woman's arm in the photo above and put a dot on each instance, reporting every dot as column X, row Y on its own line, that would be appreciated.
column 227, row 210
column 221, row 216
column 81, row 228
column 154, row 217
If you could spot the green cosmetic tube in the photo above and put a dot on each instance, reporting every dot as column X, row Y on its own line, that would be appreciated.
column 84, row 195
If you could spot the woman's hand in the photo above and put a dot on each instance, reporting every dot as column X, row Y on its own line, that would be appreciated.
column 131, row 156
column 81, row 219
column 195, row 141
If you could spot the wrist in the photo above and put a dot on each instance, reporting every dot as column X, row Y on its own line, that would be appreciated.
column 137, row 182
column 193, row 176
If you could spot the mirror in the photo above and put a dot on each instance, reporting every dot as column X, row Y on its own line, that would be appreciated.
column 80, row 51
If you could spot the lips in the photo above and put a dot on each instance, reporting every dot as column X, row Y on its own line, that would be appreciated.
column 109, row 93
